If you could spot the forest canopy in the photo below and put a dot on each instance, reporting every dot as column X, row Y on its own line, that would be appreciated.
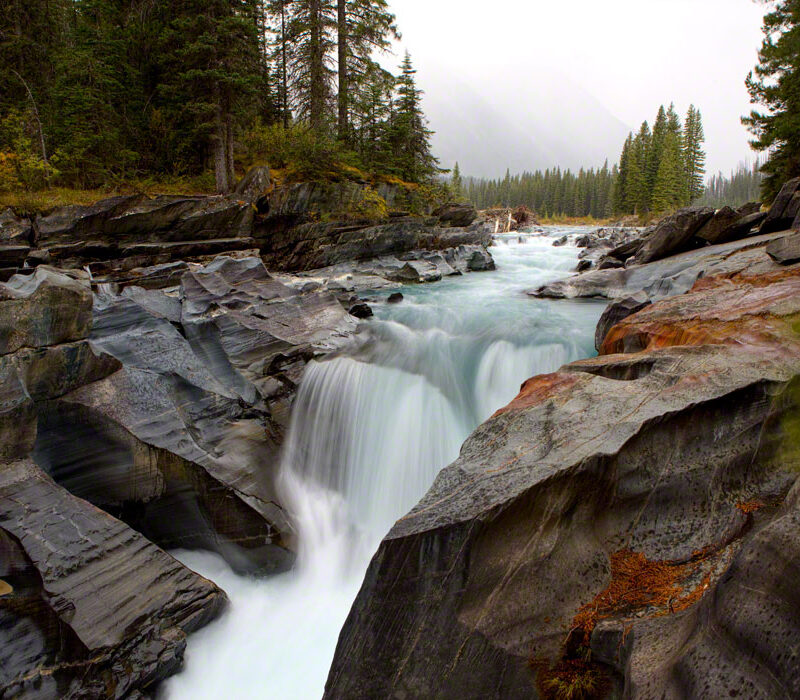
column 96, row 91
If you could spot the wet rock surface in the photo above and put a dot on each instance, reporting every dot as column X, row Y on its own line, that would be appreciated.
column 609, row 522
column 673, row 275
column 163, row 409
column 89, row 607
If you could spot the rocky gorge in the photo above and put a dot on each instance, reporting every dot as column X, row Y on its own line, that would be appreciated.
column 627, row 522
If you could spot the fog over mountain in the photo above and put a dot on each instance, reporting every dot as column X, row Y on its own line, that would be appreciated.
column 536, row 125
column 531, row 85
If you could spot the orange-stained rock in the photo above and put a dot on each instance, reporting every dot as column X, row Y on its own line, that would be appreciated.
column 761, row 311
column 540, row 388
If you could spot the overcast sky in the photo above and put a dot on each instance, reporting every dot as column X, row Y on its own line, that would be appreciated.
column 631, row 55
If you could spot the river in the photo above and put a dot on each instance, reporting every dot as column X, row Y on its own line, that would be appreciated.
column 370, row 430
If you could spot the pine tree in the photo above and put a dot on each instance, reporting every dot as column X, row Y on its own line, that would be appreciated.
column 776, row 86
column 280, row 11
column 694, row 155
column 213, row 64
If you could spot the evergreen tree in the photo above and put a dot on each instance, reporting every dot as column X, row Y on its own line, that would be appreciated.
column 212, row 73
column 410, row 134
column 638, row 194
column 621, row 190
column 694, row 155
column 776, row 86
column 310, row 40
column 656, row 151
column 669, row 188
column 363, row 27
column 456, row 184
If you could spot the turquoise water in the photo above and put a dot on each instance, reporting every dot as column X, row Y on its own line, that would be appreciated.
column 370, row 430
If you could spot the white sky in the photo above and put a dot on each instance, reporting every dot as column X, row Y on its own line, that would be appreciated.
column 632, row 55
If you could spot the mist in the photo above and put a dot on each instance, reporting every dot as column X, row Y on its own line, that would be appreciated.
column 534, row 85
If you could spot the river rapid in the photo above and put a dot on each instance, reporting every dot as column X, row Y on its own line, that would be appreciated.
column 370, row 430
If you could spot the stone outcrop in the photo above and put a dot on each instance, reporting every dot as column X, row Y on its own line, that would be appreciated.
column 785, row 209
column 182, row 442
column 627, row 523
column 673, row 275
column 88, row 607
column 785, row 250
column 673, row 235
column 314, row 246
column 729, row 224
column 456, row 214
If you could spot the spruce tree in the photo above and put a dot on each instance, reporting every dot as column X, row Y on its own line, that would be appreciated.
column 621, row 191
column 410, row 134
column 456, row 184
column 638, row 194
column 363, row 28
column 694, row 155
column 213, row 67
column 669, row 186
column 310, row 42
column 656, row 150
column 775, row 84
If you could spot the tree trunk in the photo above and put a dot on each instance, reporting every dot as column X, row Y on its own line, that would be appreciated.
column 229, row 151
column 284, row 71
column 316, row 68
column 344, row 86
column 220, row 146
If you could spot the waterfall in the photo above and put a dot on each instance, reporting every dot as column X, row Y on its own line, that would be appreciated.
column 370, row 430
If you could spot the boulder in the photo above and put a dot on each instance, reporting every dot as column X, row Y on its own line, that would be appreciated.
column 95, row 610
column 43, row 309
column 673, row 234
column 417, row 272
column 560, row 241
column 255, row 187
column 607, row 262
column 456, row 214
column 395, row 298
column 786, row 250
column 610, row 526
column 783, row 210
column 361, row 310
column 616, row 312
column 584, row 265
column 717, row 226
column 15, row 230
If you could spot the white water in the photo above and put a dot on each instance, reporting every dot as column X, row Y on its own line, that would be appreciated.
column 370, row 431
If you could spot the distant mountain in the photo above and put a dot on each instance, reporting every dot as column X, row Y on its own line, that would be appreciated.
column 541, row 124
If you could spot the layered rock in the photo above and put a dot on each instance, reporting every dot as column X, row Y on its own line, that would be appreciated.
column 88, row 607
column 626, row 524
column 673, row 275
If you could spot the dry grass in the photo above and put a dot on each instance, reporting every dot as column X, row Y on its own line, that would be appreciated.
column 637, row 583
column 559, row 220
column 571, row 680
column 30, row 203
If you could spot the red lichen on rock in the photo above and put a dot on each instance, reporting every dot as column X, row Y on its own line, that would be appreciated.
column 540, row 388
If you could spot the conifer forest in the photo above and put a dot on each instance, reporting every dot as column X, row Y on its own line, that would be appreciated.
column 93, row 91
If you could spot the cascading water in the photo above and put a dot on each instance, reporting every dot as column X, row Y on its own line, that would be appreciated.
column 370, row 430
